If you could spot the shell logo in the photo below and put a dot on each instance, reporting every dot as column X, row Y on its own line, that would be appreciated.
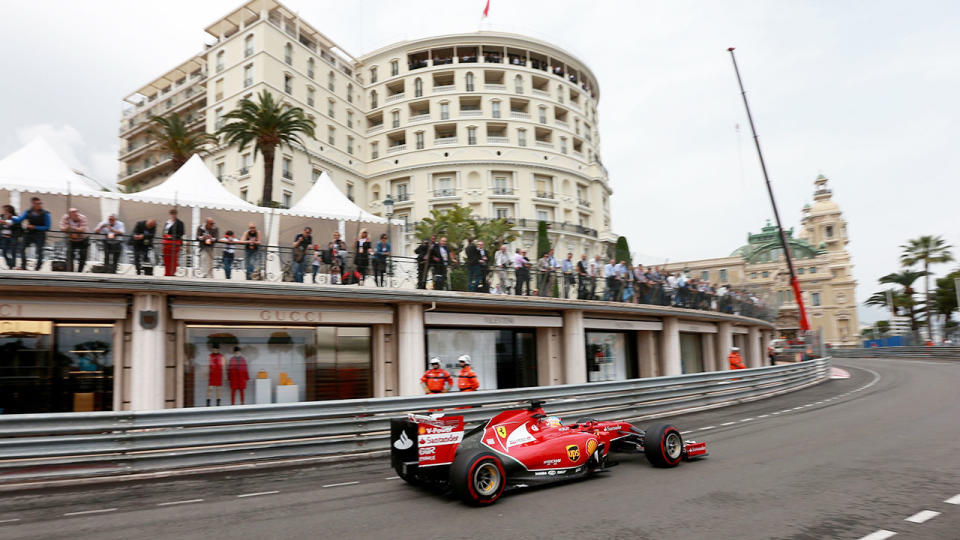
column 422, row 430
column 591, row 446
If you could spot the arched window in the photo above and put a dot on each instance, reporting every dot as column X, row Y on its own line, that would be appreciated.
column 310, row 67
column 373, row 99
column 220, row 61
column 560, row 93
column 417, row 87
column 469, row 78
column 288, row 54
column 331, row 82
column 518, row 83
column 248, row 46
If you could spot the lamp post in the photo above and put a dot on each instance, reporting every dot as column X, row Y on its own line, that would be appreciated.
column 388, row 211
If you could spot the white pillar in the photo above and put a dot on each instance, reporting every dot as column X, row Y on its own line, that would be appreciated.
column 754, row 358
column 194, row 246
column 764, row 347
column 574, row 348
column 273, row 265
column 549, row 357
column 411, row 349
column 148, row 352
column 670, row 347
column 724, row 343
column 647, row 353
column 709, row 348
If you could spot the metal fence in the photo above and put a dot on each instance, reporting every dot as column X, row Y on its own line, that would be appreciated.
column 60, row 446
column 948, row 353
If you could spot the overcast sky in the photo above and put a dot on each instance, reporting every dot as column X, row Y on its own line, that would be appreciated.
column 864, row 93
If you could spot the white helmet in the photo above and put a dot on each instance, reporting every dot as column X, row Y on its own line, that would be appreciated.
column 465, row 358
column 435, row 360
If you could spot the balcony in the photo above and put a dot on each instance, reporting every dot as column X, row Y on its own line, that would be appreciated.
column 498, row 87
column 395, row 97
column 374, row 128
column 562, row 124
column 538, row 92
column 471, row 112
column 583, row 202
column 419, row 117
column 503, row 191
column 287, row 175
column 244, row 171
column 402, row 197
column 545, row 144
column 544, row 194
column 420, row 64
column 519, row 115
column 396, row 148
column 445, row 192
column 445, row 140
column 497, row 139
column 444, row 88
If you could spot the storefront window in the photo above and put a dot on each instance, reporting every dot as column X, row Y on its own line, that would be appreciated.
column 611, row 356
column 501, row 358
column 691, row 354
column 52, row 367
column 246, row 365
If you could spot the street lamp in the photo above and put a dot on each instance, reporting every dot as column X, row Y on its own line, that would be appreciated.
column 388, row 211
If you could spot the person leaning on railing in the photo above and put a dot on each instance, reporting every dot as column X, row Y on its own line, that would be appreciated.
column 112, row 230
column 75, row 225
column 228, row 254
column 251, row 240
column 380, row 253
column 9, row 236
column 502, row 262
column 207, row 235
column 36, row 221
column 142, row 240
column 521, row 266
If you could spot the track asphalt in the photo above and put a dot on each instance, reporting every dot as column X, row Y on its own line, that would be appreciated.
column 876, row 455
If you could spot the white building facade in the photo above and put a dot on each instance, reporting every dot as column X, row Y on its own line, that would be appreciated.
column 502, row 123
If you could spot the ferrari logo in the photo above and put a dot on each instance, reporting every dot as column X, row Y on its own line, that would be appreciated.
column 573, row 453
column 502, row 431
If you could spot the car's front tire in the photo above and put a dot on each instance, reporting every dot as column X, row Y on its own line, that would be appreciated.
column 478, row 477
column 663, row 445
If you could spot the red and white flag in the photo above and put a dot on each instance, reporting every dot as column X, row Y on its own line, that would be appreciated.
column 486, row 10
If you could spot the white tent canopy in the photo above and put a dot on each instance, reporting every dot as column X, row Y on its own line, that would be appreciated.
column 324, row 200
column 192, row 185
column 36, row 168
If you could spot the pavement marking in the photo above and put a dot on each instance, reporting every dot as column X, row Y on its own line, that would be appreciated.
column 171, row 503
column 796, row 408
column 746, row 419
column 392, row 478
column 9, row 520
column 687, row 431
column 706, row 428
column 922, row 516
column 258, row 493
column 341, row 484
column 953, row 500
column 879, row 535
column 763, row 416
column 727, row 424
column 101, row 511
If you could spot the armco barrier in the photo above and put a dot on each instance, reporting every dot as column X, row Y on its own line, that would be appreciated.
column 36, row 447
column 948, row 353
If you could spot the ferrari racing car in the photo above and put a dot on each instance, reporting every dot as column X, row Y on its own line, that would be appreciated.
column 520, row 448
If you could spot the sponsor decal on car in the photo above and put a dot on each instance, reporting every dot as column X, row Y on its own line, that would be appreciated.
column 533, row 427
column 552, row 461
column 441, row 438
column 613, row 428
column 519, row 436
column 591, row 446
column 428, row 450
column 491, row 441
column 501, row 431
column 573, row 453
column 403, row 442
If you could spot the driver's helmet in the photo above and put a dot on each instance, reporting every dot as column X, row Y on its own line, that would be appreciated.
column 552, row 421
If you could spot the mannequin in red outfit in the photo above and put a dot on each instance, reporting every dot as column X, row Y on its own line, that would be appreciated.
column 238, row 375
column 216, row 374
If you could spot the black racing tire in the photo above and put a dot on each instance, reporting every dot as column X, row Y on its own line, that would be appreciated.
column 410, row 479
column 663, row 445
column 478, row 477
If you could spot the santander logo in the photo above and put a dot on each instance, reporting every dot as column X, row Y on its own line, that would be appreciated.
column 403, row 442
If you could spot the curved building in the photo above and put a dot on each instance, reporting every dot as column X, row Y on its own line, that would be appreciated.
column 502, row 123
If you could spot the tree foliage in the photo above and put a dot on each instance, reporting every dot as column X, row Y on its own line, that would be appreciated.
column 174, row 137
column 927, row 250
column 543, row 240
column 622, row 250
column 945, row 295
column 267, row 124
column 458, row 225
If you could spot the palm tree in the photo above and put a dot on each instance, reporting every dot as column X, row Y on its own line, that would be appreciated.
column 929, row 250
column 268, row 124
column 904, row 298
column 174, row 138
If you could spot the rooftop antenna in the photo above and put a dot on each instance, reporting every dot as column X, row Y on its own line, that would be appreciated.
column 804, row 325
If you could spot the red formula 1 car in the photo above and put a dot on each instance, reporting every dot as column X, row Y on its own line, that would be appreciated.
column 520, row 448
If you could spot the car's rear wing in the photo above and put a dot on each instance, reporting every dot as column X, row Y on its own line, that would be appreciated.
column 424, row 441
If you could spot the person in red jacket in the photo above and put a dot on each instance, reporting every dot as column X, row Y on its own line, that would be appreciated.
column 436, row 380
column 237, row 375
column 736, row 362
column 467, row 378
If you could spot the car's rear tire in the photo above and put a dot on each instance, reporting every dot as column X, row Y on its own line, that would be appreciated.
column 663, row 445
column 408, row 478
column 478, row 477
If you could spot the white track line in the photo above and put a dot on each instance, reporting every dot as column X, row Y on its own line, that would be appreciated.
column 9, row 520
column 172, row 503
column 341, row 484
column 746, row 419
column 922, row 516
column 727, row 424
column 879, row 535
column 392, row 478
column 687, row 432
column 953, row 500
column 706, row 428
column 258, row 494
column 101, row 511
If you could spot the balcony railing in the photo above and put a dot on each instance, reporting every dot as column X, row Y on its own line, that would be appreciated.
column 375, row 127
column 444, row 88
column 503, row 191
column 445, row 140
column 287, row 175
column 544, row 194
column 244, row 171
column 442, row 61
column 416, row 65
column 545, row 144
column 419, row 117
column 519, row 115
column 583, row 202
column 395, row 97
column 562, row 124
column 489, row 86
column 445, row 192
column 402, row 196
column 538, row 92
column 471, row 112
column 396, row 148
column 497, row 139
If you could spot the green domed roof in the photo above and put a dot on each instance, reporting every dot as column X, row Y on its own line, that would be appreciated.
column 765, row 246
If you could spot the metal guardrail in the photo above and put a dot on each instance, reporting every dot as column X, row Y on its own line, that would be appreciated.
column 36, row 447
column 950, row 353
